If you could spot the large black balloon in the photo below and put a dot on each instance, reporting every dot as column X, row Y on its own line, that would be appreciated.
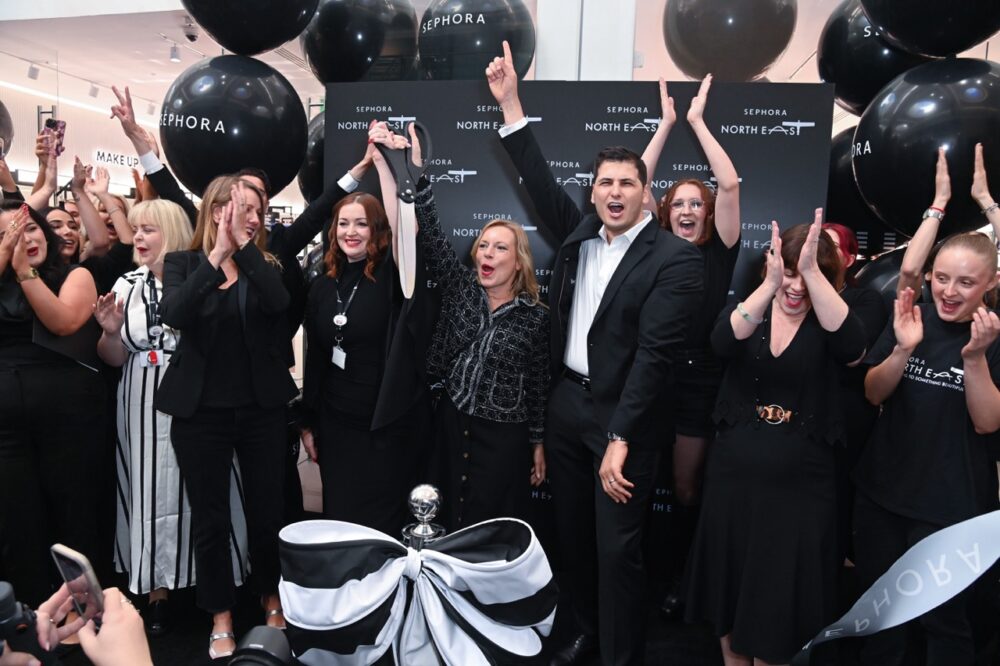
column 845, row 205
column 459, row 38
column 732, row 40
column 882, row 274
column 350, row 40
column 934, row 27
column 311, row 172
column 952, row 103
column 856, row 60
column 231, row 112
column 248, row 27
column 6, row 128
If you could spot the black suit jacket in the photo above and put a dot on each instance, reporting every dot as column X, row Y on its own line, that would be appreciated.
column 643, row 315
column 191, row 298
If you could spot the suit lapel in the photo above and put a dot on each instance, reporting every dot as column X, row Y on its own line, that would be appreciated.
column 639, row 248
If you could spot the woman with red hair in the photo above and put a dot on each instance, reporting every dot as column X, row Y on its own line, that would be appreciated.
column 710, row 220
column 364, row 390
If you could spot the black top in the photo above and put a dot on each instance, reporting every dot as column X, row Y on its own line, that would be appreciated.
column 227, row 368
column 495, row 364
column 352, row 391
column 802, row 378
column 924, row 459
column 108, row 267
column 719, row 262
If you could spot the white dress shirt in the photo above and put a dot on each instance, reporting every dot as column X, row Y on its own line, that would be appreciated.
column 598, row 261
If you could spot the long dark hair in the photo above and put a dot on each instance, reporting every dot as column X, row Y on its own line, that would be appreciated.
column 53, row 270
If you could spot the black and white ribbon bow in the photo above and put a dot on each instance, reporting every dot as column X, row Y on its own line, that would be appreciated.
column 483, row 595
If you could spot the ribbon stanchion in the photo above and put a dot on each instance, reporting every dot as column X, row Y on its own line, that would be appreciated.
column 483, row 595
column 930, row 573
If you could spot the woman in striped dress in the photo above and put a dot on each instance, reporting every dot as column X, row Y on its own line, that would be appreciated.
column 153, row 537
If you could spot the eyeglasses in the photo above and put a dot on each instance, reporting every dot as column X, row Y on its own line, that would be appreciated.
column 695, row 204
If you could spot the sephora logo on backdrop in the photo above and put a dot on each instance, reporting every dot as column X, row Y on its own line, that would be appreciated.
column 769, row 121
column 449, row 173
column 491, row 125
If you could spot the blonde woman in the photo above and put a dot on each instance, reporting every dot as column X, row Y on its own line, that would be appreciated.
column 227, row 387
column 153, row 535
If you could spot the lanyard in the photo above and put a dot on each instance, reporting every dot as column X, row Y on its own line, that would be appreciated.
column 340, row 319
column 154, row 326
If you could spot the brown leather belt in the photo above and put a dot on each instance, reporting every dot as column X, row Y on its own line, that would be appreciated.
column 774, row 414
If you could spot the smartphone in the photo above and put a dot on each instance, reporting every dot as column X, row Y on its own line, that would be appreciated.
column 84, row 589
column 56, row 128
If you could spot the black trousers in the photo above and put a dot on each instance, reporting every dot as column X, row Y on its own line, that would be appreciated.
column 204, row 445
column 51, row 439
column 606, row 580
column 880, row 538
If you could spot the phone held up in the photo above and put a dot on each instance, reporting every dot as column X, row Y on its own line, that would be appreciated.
column 57, row 129
column 84, row 589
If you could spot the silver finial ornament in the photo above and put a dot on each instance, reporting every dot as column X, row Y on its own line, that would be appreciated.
column 425, row 501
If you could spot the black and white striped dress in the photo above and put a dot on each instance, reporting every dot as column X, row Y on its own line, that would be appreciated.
column 153, row 535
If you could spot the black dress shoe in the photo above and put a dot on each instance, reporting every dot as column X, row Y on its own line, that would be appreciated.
column 158, row 617
column 577, row 651
column 672, row 607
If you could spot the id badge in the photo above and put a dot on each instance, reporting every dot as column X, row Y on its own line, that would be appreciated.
column 151, row 358
column 339, row 357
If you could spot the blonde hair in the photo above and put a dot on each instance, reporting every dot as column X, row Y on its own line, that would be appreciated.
column 169, row 218
column 525, row 282
column 217, row 194
column 981, row 244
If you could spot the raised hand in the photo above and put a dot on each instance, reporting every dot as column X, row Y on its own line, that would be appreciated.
column 224, row 246
column 808, row 256
column 984, row 331
column 667, row 111
column 43, row 146
column 81, row 174
column 125, row 113
column 110, row 313
column 10, row 236
column 100, row 182
column 696, row 111
column 907, row 323
column 415, row 155
column 237, row 213
column 502, row 77
column 774, row 265
column 19, row 258
column 980, row 188
column 942, row 181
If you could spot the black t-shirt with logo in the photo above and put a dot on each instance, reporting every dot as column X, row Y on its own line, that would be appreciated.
column 924, row 459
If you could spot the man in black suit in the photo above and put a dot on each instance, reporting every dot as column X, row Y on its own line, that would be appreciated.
column 620, row 292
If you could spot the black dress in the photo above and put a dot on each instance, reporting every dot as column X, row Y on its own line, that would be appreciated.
column 763, row 564
column 367, row 469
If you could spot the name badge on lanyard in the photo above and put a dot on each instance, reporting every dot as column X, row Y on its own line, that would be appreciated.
column 151, row 358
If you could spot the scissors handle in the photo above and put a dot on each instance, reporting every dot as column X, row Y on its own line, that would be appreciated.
column 400, row 163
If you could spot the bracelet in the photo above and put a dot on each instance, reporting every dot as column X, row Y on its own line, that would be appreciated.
column 32, row 274
column 991, row 208
column 113, row 210
column 746, row 315
column 940, row 210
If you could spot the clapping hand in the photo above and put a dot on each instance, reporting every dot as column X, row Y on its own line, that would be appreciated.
column 984, row 331
column 808, row 263
column 109, row 312
column 11, row 236
column 980, row 187
column 81, row 174
column 942, row 181
column 774, row 265
column 667, row 111
column 98, row 181
column 907, row 323
column 696, row 111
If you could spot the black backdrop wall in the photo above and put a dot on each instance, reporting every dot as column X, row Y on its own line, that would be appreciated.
column 778, row 136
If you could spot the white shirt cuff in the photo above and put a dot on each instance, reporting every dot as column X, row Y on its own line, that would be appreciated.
column 507, row 130
column 348, row 183
column 150, row 162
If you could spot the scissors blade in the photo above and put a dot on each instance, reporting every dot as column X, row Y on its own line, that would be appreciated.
column 407, row 259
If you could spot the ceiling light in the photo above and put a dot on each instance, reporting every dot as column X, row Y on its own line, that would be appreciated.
column 93, row 90
column 175, row 54
column 33, row 71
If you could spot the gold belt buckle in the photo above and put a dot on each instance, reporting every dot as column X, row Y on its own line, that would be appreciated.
column 774, row 414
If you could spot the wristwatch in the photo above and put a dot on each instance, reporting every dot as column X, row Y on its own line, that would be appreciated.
column 933, row 212
column 612, row 436
column 30, row 275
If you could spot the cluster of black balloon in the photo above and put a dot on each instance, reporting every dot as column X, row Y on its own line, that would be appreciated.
column 249, row 27
column 733, row 41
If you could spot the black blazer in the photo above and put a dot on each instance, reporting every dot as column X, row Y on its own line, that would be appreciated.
column 190, row 300
column 643, row 315
column 403, row 380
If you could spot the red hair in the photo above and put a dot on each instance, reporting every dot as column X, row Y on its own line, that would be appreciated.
column 707, row 195
column 378, row 242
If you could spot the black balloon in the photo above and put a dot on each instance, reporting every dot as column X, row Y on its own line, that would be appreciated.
column 351, row 40
column 459, row 38
column 311, row 172
column 231, row 112
column 845, row 205
column 953, row 103
column 934, row 27
column 882, row 274
column 733, row 41
column 856, row 60
column 248, row 27
column 6, row 129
